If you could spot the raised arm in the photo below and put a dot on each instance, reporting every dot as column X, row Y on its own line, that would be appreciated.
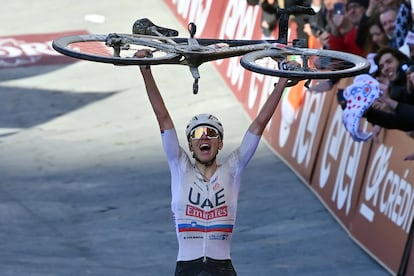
column 259, row 123
column 163, row 117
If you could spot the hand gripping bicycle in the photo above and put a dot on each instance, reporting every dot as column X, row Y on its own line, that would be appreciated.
column 269, row 57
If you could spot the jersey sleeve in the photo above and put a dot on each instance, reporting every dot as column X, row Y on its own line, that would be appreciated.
column 248, row 147
column 178, row 161
column 177, row 158
column 170, row 144
column 244, row 153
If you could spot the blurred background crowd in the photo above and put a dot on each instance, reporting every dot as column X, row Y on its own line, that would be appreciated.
column 380, row 30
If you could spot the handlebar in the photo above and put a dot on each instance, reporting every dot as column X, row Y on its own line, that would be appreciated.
column 284, row 19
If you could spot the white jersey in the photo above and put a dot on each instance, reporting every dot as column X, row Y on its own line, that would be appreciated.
column 205, row 211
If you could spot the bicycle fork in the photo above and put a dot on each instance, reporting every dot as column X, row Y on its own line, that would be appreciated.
column 196, row 76
column 193, row 69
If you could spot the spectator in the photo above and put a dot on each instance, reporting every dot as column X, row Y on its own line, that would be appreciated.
column 319, row 21
column 343, row 29
column 383, row 10
column 269, row 18
column 316, row 25
column 401, row 118
column 409, row 91
column 376, row 38
column 401, row 115
column 374, row 41
column 395, row 108
column 393, row 64
column 316, row 20
column 378, row 109
column 388, row 18
column 300, row 19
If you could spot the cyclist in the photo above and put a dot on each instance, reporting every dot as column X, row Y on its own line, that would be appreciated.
column 204, row 193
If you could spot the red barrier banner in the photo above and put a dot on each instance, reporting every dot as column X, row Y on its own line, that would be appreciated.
column 300, row 127
column 410, row 265
column 385, row 208
column 339, row 168
column 240, row 19
column 32, row 50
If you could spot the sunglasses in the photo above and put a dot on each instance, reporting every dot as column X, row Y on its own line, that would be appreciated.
column 198, row 132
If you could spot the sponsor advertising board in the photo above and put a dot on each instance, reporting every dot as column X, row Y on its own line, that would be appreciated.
column 32, row 50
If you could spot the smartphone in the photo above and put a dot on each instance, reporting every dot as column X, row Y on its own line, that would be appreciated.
column 339, row 8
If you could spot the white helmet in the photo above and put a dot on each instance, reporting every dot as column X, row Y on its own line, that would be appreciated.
column 204, row 120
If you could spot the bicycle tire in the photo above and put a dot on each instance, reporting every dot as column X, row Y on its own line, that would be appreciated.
column 92, row 47
column 325, row 64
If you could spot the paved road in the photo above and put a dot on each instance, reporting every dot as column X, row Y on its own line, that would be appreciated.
column 84, row 185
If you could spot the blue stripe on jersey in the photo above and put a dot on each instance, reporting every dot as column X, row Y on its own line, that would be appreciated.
column 194, row 227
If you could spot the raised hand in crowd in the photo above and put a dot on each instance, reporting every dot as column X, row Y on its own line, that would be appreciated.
column 323, row 38
column 343, row 26
column 372, row 7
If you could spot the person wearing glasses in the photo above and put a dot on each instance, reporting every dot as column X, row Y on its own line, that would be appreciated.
column 205, row 193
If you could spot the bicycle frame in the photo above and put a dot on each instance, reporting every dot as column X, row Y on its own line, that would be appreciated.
column 196, row 51
column 193, row 52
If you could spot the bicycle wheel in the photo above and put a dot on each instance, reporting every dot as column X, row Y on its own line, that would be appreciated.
column 314, row 63
column 118, row 49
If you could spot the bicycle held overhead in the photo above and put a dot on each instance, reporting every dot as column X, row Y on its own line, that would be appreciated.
column 269, row 57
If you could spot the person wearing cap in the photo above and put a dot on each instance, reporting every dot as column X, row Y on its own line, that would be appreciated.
column 205, row 193
column 344, row 27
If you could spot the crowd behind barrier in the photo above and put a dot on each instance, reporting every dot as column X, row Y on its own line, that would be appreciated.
column 367, row 186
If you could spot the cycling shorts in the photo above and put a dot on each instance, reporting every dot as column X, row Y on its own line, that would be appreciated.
column 205, row 267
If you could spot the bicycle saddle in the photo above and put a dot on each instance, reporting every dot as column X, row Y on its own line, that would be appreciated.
column 144, row 26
